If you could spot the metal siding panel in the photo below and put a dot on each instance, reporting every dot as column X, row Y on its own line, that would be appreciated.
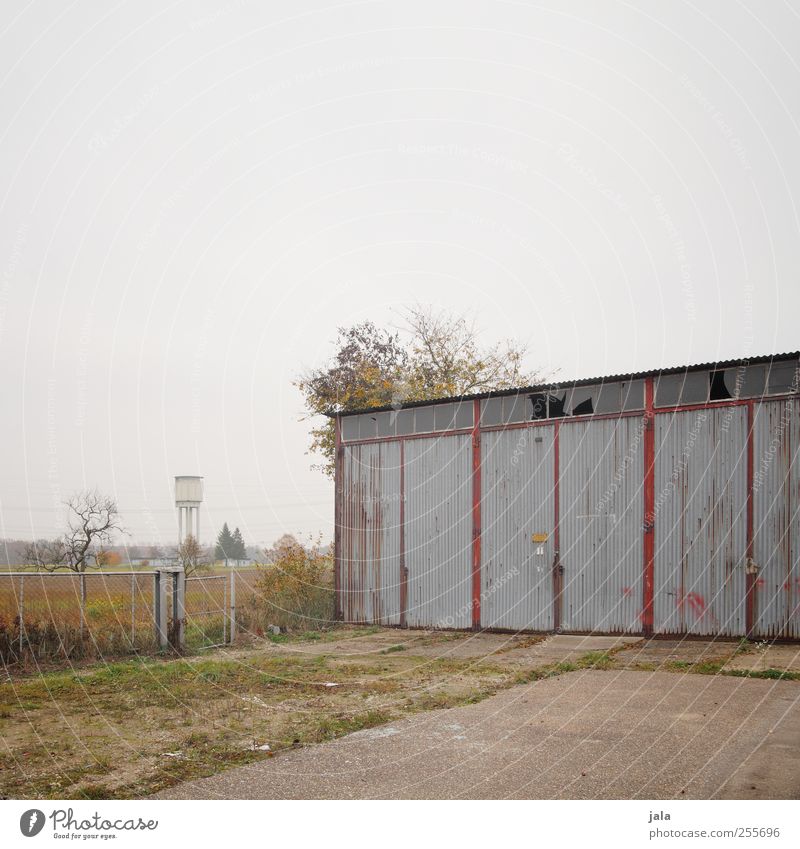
column 701, row 522
column 438, row 533
column 776, row 518
column 370, row 560
column 517, row 501
column 601, row 513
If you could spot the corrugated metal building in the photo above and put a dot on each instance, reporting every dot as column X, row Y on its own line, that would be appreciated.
column 660, row 502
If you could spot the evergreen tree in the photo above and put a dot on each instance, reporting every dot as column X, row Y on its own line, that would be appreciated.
column 239, row 548
column 226, row 546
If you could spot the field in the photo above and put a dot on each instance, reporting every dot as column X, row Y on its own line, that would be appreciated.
column 66, row 617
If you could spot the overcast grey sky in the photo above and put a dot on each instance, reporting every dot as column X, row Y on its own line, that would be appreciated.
column 194, row 195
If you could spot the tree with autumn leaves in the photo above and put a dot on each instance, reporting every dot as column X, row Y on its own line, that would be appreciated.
column 436, row 355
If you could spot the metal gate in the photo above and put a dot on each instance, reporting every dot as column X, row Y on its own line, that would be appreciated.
column 776, row 520
column 208, row 617
column 701, row 522
column 438, row 535
column 517, row 543
column 601, row 506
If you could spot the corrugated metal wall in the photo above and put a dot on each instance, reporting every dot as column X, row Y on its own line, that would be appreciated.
column 438, row 535
column 516, row 573
column 701, row 521
column 700, row 526
column 776, row 518
column 370, row 557
column 601, row 497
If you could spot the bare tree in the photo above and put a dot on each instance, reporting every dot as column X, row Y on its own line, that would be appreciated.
column 192, row 556
column 92, row 522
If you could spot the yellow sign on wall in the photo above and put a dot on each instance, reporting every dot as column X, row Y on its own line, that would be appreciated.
column 539, row 537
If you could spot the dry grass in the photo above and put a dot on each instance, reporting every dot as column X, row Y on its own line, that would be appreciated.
column 128, row 729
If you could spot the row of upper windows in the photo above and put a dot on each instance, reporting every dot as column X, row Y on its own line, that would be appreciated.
column 611, row 397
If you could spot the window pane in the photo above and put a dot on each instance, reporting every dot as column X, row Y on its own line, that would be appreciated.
column 608, row 399
column 368, row 426
column 782, row 378
column 463, row 414
column 404, row 422
column 386, row 424
column 516, row 408
column 423, row 420
column 633, row 395
column 673, row 389
column 350, row 427
column 492, row 412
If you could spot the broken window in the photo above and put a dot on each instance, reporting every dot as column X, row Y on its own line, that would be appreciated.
column 555, row 404
column 538, row 402
column 718, row 388
column 580, row 401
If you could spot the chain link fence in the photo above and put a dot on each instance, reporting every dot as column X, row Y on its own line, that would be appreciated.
column 67, row 616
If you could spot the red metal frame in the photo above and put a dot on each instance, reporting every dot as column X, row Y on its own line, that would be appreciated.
column 750, row 576
column 558, row 571
column 338, row 483
column 403, row 569
column 648, row 523
column 476, row 515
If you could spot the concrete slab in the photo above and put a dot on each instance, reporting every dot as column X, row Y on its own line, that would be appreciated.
column 786, row 658
column 658, row 652
column 583, row 735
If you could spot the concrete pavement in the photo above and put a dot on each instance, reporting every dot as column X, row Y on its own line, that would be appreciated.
column 586, row 734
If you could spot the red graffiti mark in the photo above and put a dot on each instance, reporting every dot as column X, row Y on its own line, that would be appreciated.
column 627, row 591
column 760, row 582
column 697, row 603
column 698, row 606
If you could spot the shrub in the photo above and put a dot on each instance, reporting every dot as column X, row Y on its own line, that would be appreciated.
column 294, row 592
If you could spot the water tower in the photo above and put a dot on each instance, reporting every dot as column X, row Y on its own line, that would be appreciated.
column 188, row 498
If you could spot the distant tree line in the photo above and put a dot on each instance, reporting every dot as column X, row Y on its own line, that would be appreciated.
column 230, row 546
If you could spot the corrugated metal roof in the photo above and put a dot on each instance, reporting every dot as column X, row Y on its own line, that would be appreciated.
column 587, row 381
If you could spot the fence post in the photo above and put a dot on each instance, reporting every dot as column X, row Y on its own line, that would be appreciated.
column 233, row 605
column 160, row 608
column 84, row 627
column 133, row 610
column 21, row 612
column 179, row 608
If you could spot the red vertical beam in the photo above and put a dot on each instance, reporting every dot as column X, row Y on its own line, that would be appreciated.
column 750, row 572
column 649, row 508
column 338, row 484
column 476, row 515
column 558, row 569
column 403, row 570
